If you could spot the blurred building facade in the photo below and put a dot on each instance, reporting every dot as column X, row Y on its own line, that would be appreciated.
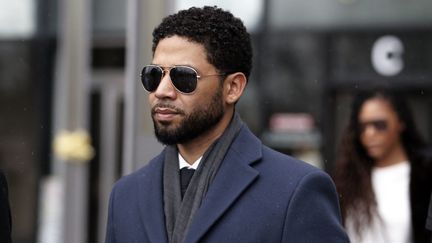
column 70, row 66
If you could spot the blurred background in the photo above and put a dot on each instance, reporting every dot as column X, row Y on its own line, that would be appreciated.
column 74, row 118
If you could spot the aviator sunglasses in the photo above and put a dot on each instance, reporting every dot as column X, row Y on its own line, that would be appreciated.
column 378, row 125
column 183, row 78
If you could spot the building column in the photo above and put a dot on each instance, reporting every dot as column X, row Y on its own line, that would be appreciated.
column 71, row 105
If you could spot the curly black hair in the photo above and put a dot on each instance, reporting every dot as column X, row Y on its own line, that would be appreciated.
column 224, row 36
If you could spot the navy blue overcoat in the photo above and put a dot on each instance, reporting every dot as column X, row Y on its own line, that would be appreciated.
column 258, row 195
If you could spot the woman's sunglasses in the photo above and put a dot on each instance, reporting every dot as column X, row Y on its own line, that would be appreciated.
column 183, row 78
column 378, row 125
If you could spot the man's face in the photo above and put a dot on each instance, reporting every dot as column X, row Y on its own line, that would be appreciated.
column 380, row 128
column 179, row 118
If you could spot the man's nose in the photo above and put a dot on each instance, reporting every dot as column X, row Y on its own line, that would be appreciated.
column 165, row 88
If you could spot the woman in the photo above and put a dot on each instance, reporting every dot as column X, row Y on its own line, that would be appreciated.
column 382, row 175
column 5, row 217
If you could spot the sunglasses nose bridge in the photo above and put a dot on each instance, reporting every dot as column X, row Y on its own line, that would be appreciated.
column 165, row 87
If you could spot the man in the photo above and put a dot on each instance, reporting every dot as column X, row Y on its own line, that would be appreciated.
column 5, row 217
column 240, row 191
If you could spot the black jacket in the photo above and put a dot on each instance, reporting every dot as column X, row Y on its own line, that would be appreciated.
column 5, row 215
column 420, row 192
column 429, row 219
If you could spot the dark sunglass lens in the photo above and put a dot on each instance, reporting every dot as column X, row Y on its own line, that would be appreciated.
column 380, row 125
column 184, row 79
column 151, row 77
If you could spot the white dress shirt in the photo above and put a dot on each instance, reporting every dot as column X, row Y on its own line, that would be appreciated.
column 183, row 163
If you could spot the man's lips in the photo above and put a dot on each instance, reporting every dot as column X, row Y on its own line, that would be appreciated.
column 164, row 114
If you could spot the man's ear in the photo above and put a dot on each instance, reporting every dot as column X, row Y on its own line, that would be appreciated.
column 234, row 86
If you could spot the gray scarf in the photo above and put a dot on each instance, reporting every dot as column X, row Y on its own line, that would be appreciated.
column 179, row 213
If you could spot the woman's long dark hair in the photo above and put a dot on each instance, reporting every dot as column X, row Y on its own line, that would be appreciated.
column 353, row 168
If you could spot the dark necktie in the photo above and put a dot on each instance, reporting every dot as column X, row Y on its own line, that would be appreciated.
column 185, row 177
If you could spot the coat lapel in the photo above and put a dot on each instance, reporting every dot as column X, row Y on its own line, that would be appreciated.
column 151, row 204
column 234, row 176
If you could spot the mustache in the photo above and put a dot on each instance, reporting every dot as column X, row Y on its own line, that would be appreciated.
column 166, row 106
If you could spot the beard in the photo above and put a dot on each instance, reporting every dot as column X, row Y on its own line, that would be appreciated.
column 200, row 120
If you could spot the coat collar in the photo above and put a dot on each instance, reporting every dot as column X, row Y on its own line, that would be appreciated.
column 150, row 200
column 234, row 176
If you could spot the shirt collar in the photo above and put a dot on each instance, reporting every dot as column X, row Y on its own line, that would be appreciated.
column 183, row 163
